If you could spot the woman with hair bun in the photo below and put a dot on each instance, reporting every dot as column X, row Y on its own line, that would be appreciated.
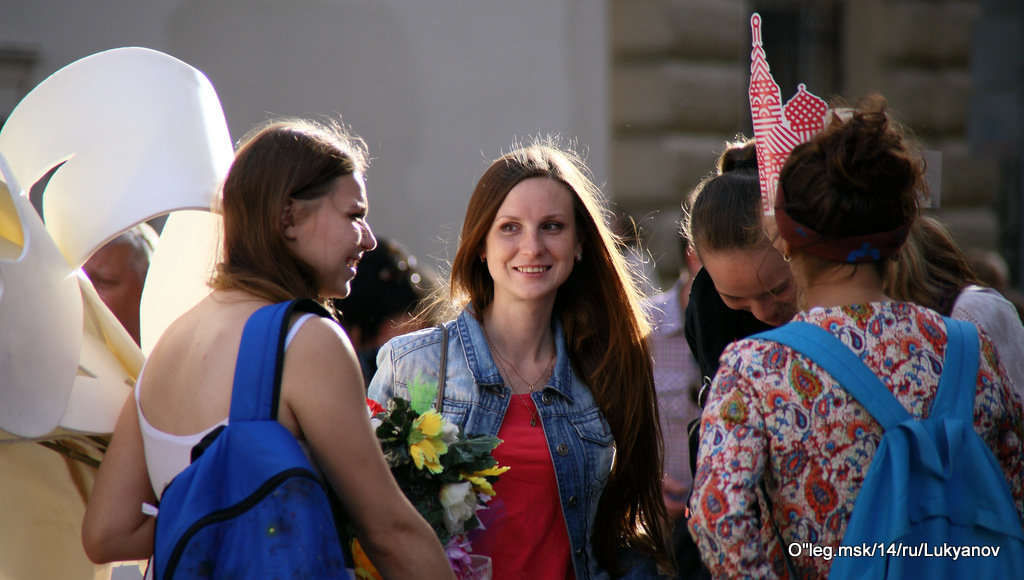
column 784, row 448
column 744, row 286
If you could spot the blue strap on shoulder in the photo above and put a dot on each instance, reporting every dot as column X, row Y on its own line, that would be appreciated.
column 828, row 352
column 959, row 380
column 257, row 386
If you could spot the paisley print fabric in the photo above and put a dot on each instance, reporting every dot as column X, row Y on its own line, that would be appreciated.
column 776, row 423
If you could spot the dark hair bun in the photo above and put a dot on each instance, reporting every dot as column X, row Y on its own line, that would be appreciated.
column 738, row 156
column 858, row 176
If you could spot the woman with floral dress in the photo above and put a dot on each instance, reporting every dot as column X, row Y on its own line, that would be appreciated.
column 784, row 449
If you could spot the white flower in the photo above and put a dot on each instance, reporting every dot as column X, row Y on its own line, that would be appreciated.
column 459, row 504
column 449, row 432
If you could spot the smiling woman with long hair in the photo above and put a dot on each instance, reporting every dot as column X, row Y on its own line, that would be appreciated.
column 548, row 354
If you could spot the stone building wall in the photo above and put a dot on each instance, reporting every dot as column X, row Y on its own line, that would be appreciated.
column 679, row 90
column 917, row 54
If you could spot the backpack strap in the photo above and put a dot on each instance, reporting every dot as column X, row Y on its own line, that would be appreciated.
column 257, row 386
column 960, row 367
column 846, row 368
column 959, row 381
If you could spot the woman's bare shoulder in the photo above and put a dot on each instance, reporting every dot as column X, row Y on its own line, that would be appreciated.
column 186, row 384
column 320, row 341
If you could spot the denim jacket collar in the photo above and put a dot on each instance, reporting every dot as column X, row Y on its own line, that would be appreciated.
column 485, row 371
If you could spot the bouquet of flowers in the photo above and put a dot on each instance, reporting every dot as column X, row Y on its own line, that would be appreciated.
column 446, row 474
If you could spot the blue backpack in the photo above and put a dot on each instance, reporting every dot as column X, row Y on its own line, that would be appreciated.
column 935, row 502
column 250, row 505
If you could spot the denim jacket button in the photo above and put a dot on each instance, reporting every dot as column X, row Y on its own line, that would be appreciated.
column 573, row 501
column 562, row 449
column 546, row 398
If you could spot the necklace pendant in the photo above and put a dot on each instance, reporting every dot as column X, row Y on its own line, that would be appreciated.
column 533, row 421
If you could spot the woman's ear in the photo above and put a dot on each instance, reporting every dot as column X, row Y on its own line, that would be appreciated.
column 692, row 260
column 783, row 247
column 288, row 221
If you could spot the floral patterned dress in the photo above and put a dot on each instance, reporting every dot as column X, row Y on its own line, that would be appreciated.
column 776, row 423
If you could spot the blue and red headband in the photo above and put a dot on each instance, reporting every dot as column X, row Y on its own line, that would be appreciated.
column 848, row 250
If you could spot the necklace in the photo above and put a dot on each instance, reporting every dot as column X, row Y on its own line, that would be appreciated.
column 504, row 365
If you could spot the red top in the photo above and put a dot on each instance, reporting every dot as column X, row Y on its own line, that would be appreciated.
column 525, row 534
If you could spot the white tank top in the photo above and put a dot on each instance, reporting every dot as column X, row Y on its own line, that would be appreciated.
column 167, row 455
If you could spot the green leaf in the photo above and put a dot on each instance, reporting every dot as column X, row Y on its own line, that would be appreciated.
column 421, row 394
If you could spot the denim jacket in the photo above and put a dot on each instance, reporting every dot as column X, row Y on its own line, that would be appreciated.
column 475, row 397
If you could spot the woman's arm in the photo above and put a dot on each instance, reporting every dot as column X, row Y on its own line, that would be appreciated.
column 999, row 418
column 114, row 528
column 730, row 467
column 322, row 387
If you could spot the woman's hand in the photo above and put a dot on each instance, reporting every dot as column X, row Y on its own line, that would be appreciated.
column 674, row 494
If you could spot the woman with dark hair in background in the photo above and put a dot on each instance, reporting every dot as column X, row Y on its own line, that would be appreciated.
column 385, row 301
column 744, row 286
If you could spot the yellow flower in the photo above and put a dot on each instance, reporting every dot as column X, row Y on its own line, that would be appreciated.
column 479, row 481
column 427, row 442
column 429, row 423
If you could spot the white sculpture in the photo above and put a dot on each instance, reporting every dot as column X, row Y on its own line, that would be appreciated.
column 137, row 134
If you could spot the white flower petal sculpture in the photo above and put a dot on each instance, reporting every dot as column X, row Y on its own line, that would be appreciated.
column 181, row 265
column 41, row 317
column 140, row 134
column 107, row 368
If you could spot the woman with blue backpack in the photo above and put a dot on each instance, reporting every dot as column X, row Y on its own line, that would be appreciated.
column 867, row 437
column 250, row 412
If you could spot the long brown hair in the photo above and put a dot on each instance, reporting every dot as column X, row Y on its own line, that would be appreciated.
column 930, row 269
column 600, row 308
column 277, row 162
